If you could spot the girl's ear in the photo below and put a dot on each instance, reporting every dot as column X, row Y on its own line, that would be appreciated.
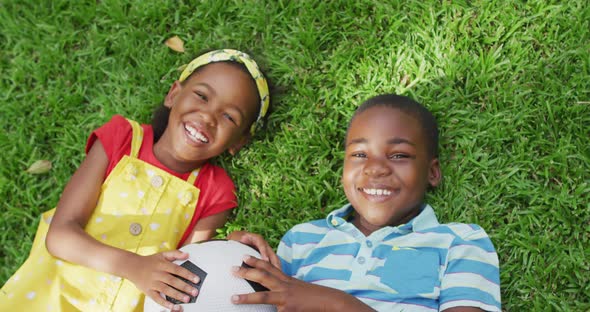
column 174, row 89
column 236, row 147
column 434, row 174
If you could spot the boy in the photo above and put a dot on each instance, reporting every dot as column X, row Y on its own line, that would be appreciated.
column 385, row 250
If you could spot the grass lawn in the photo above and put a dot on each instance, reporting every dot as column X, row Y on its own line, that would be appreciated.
column 509, row 83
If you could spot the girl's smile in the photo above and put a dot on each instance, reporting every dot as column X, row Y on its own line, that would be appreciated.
column 195, row 135
column 210, row 112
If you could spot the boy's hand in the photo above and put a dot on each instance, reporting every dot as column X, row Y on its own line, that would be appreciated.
column 290, row 294
column 257, row 241
column 154, row 274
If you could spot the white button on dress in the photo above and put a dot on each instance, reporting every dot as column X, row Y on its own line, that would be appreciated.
column 135, row 229
column 157, row 181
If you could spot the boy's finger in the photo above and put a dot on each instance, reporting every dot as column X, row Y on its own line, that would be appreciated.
column 261, row 264
column 274, row 259
column 261, row 276
column 253, row 240
column 262, row 297
column 266, row 252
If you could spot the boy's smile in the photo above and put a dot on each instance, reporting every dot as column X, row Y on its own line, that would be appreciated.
column 387, row 168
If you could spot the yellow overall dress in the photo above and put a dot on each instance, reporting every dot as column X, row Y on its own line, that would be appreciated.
column 141, row 208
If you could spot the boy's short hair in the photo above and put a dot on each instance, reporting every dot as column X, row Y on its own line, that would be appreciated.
column 410, row 107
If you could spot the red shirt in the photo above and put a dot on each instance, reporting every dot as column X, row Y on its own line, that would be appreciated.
column 217, row 190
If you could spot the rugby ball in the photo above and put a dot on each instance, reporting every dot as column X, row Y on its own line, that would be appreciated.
column 212, row 262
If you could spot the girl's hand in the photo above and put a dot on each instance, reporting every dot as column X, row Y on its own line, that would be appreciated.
column 257, row 241
column 154, row 274
column 290, row 294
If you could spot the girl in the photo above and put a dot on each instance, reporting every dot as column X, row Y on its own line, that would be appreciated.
column 140, row 193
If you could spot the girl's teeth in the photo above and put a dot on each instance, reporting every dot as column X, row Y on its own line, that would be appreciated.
column 195, row 134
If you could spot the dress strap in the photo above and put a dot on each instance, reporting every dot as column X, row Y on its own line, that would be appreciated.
column 136, row 139
column 193, row 176
column 136, row 145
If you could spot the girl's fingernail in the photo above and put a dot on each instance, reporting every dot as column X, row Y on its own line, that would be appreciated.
column 235, row 268
column 235, row 298
column 196, row 279
column 246, row 257
column 176, row 307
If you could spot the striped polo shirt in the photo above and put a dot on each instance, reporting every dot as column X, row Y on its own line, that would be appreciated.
column 418, row 266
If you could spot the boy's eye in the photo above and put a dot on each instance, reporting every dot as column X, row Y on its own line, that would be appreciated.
column 398, row 156
column 230, row 118
column 359, row 155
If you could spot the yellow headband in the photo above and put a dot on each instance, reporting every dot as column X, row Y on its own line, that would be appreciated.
column 240, row 57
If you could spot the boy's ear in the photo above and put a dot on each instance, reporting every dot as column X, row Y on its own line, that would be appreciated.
column 236, row 147
column 434, row 173
column 174, row 89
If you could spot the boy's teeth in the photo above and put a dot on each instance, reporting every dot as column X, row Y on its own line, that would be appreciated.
column 378, row 192
column 195, row 134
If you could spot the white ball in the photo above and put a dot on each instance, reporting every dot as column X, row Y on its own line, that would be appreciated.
column 216, row 258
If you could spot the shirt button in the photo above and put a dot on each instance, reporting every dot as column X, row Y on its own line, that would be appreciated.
column 135, row 229
column 369, row 244
column 157, row 181
column 361, row 260
column 334, row 222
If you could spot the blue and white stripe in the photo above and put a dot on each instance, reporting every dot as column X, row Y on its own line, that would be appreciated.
column 418, row 266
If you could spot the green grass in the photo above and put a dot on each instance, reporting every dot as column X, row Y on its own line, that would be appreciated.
column 509, row 83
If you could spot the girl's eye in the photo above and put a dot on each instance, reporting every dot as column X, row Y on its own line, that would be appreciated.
column 201, row 96
column 359, row 155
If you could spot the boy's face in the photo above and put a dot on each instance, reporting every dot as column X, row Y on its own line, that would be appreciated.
column 387, row 169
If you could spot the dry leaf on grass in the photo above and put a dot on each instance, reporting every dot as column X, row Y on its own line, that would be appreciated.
column 175, row 44
column 405, row 81
column 39, row 167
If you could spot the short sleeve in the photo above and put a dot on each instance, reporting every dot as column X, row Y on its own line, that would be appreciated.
column 472, row 275
column 217, row 194
column 115, row 137
column 285, row 254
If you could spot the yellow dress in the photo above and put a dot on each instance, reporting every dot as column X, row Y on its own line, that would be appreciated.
column 141, row 208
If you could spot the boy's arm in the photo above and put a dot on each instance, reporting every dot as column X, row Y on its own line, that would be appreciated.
column 464, row 309
column 291, row 294
column 258, row 242
column 472, row 275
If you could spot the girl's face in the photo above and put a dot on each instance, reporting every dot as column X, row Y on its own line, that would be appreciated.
column 387, row 168
column 210, row 112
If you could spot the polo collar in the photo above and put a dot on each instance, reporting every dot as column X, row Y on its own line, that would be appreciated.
column 425, row 220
